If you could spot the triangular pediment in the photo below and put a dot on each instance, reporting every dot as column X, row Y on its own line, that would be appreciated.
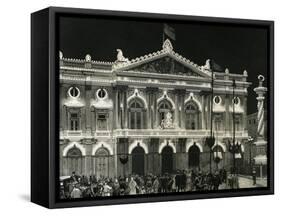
column 165, row 63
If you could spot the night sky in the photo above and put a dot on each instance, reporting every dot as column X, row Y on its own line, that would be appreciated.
column 235, row 47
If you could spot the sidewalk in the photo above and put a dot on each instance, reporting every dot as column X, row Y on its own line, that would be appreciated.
column 247, row 182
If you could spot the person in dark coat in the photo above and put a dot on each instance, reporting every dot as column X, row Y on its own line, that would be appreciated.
column 74, row 177
column 216, row 180
column 183, row 182
column 254, row 176
column 116, row 187
column 170, row 183
column 165, row 183
column 178, row 181
column 84, row 181
column 192, row 180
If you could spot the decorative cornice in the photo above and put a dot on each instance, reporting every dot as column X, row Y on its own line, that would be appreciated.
column 70, row 68
column 74, row 60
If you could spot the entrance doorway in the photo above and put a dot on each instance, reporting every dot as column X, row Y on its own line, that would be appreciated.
column 138, row 161
column 167, row 160
column 74, row 161
column 194, row 156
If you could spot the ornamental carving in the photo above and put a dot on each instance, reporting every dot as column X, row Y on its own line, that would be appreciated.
column 167, row 122
column 166, row 65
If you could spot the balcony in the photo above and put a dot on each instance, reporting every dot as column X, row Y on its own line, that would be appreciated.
column 97, row 134
column 79, row 134
column 175, row 133
column 73, row 133
column 147, row 133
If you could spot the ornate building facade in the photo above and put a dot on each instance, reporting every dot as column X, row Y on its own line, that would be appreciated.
column 146, row 115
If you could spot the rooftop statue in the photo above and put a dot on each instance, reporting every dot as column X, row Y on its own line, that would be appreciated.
column 120, row 56
column 207, row 65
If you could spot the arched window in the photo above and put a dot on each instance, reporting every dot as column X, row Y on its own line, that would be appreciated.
column 164, row 107
column 74, row 161
column 136, row 115
column 192, row 116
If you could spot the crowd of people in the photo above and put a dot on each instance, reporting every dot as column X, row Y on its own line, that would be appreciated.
column 182, row 181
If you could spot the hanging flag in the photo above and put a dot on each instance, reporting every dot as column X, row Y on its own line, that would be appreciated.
column 216, row 67
column 169, row 31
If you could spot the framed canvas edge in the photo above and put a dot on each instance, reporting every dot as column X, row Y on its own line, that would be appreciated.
column 53, row 84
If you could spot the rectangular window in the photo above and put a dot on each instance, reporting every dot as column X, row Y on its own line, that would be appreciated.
column 74, row 121
column 102, row 122
column 190, row 121
column 238, row 122
column 218, row 122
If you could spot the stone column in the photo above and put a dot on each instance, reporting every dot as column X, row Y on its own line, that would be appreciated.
column 62, row 96
column 64, row 118
column 261, row 143
column 93, row 118
column 260, row 90
column 227, row 104
column 116, row 108
column 121, row 108
column 149, row 116
column 125, row 108
column 179, row 110
column 207, row 108
column 155, row 109
column 203, row 118
column 182, row 110
column 148, row 111
column 83, row 119
column 176, row 122
column 88, row 111
column 244, row 120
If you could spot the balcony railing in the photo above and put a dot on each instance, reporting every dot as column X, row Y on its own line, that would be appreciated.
column 174, row 133
column 140, row 133
column 74, row 133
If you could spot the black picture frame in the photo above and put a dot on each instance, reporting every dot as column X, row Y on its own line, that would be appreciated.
column 45, row 97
